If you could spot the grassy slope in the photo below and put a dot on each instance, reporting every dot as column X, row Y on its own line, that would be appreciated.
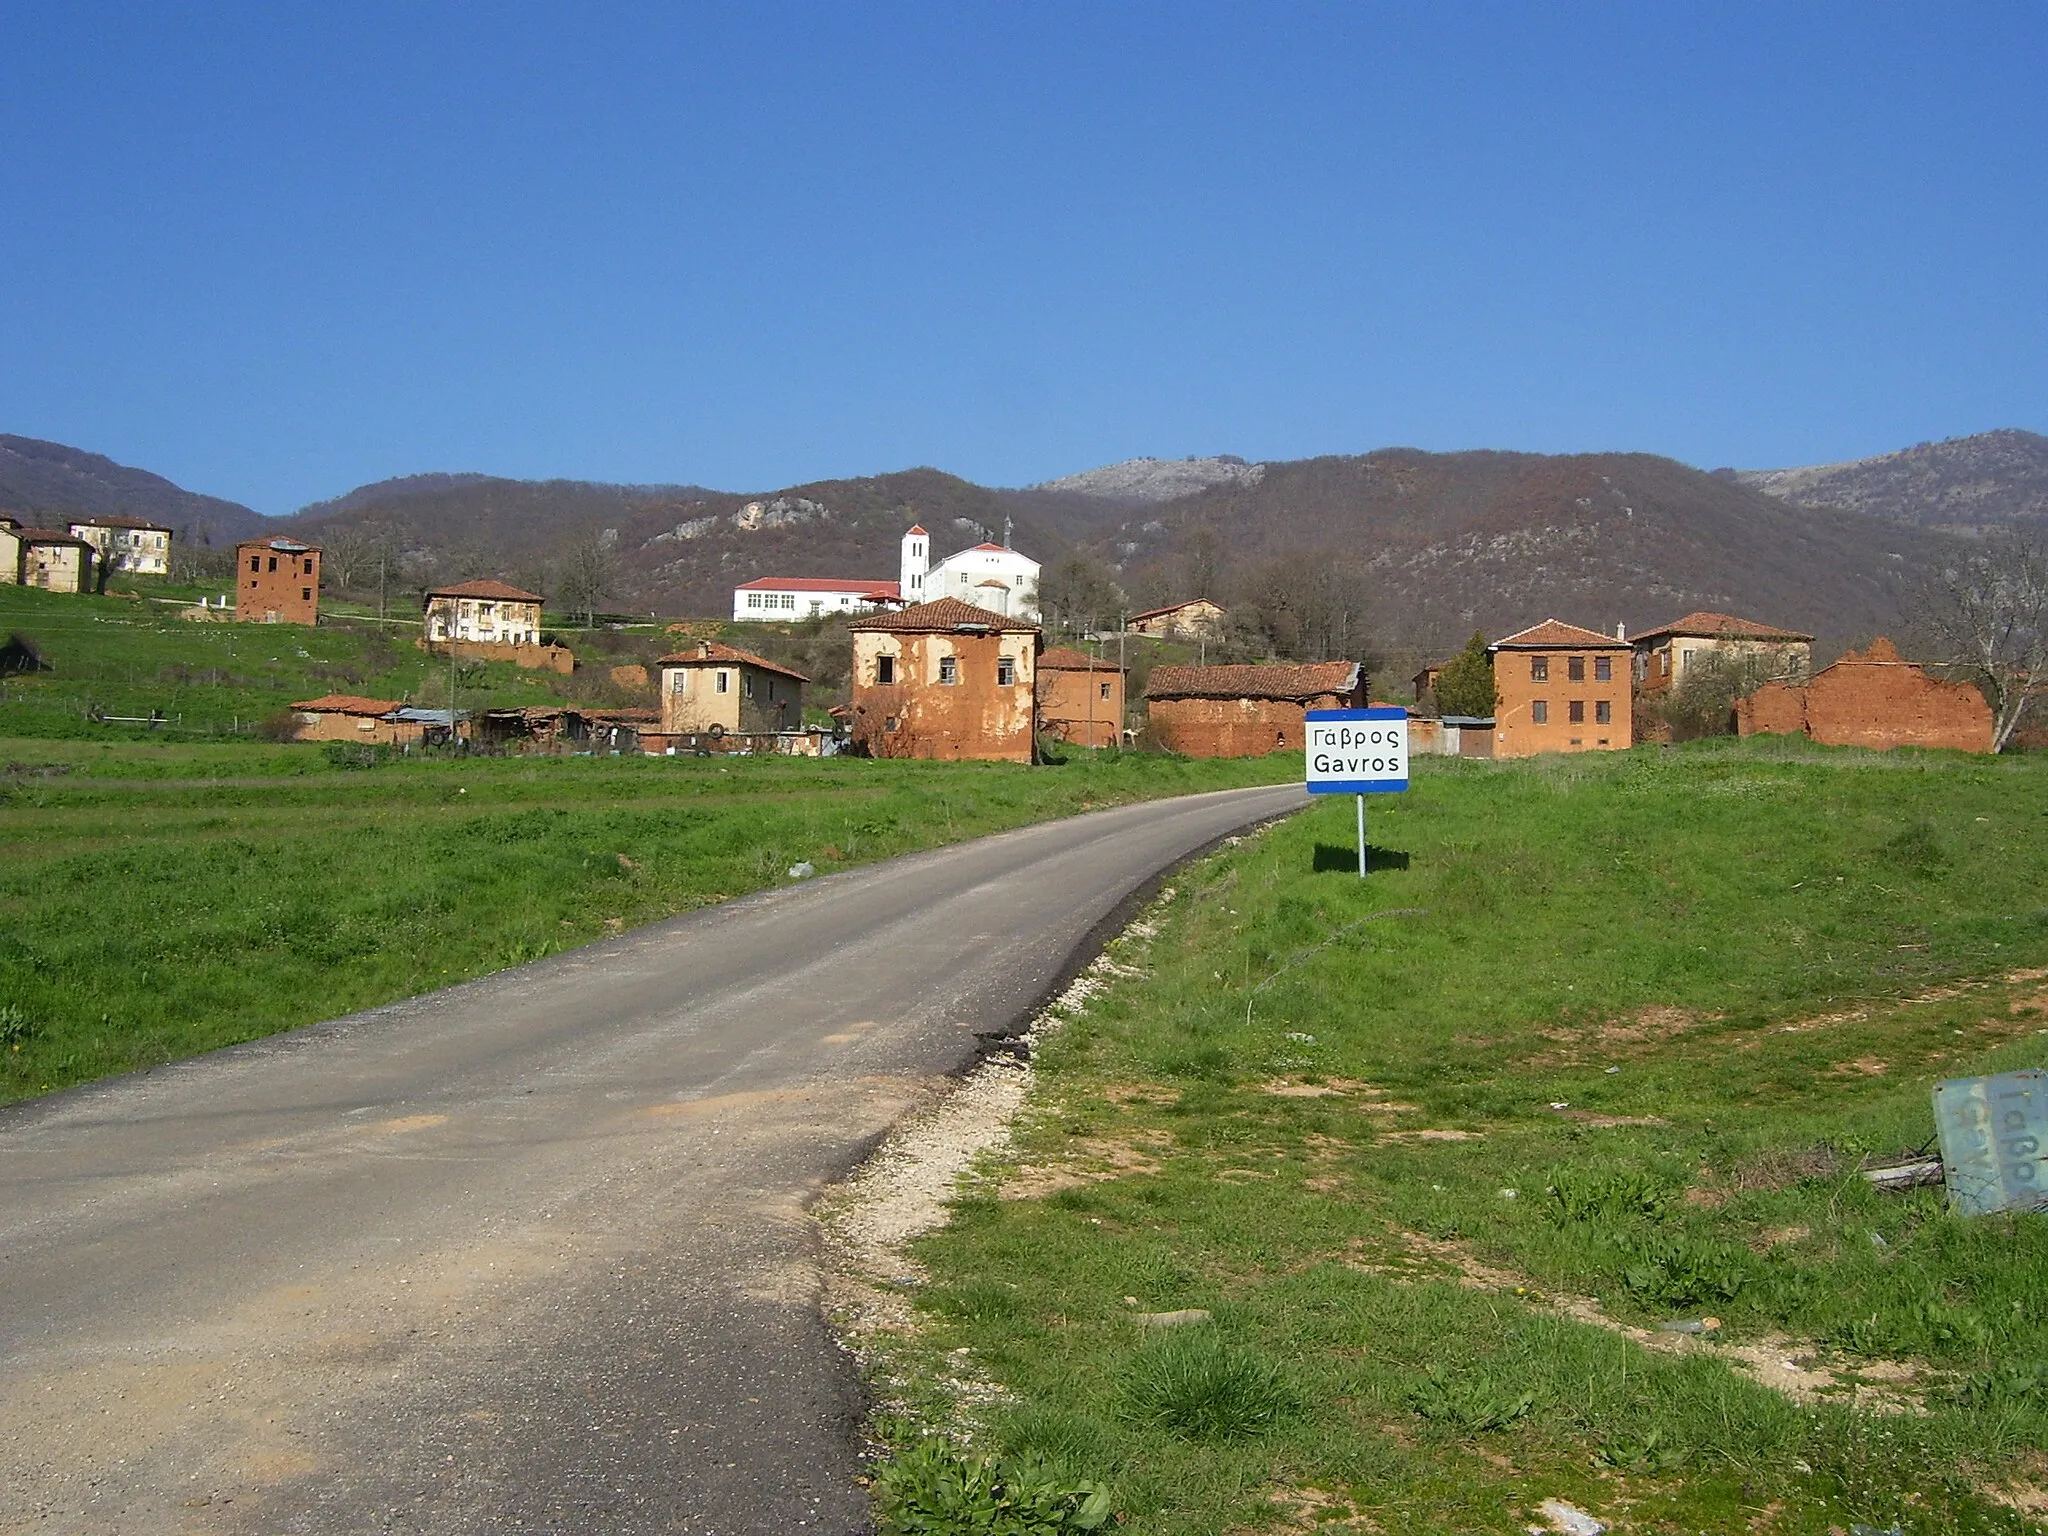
column 157, row 900
column 1668, row 915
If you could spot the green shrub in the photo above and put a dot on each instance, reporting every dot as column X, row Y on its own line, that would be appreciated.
column 934, row 1489
column 1197, row 1387
column 1677, row 1271
column 1468, row 1406
column 1606, row 1195
column 355, row 754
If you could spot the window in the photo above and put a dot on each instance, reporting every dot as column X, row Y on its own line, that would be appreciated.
column 949, row 669
column 273, row 562
column 1006, row 671
column 1575, row 669
column 885, row 672
column 679, row 681
column 1539, row 712
column 309, row 565
column 1576, row 711
column 1539, row 669
column 1603, row 712
column 255, row 562
column 725, row 682
column 746, row 686
column 305, row 594
column 889, row 724
column 1105, row 690
column 1603, row 669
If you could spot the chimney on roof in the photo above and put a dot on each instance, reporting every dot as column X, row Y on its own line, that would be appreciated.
column 703, row 650
column 1007, row 522
column 1621, row 631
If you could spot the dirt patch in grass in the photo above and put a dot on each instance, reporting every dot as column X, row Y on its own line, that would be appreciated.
column 1157, row 1095
column 1433, row 1133
column 1327, row 1088
column 1094, row 1160
column 1635, row 1035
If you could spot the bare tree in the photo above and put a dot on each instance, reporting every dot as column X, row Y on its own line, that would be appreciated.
column 586, row 572
column 345, row 554
column 1985, row 617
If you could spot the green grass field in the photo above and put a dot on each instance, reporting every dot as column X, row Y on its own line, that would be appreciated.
column 159, row 899
column 1609, row 1059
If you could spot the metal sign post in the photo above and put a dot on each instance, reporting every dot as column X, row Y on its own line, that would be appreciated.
column 1357, row 752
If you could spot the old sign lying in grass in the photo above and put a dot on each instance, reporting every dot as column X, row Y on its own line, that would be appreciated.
column 1993, row 1134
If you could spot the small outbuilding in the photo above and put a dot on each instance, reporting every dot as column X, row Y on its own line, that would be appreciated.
column 1196, row 619
column 1246, row 710
column 1080, row 698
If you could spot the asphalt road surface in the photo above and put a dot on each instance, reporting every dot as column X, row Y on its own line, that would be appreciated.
column 529, row 1254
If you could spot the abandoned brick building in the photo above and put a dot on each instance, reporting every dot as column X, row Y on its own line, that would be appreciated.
column 945, row 679
column 277, row 582
column 1871, row 698
column 1245, row 710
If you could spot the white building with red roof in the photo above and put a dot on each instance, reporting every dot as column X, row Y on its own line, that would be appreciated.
column 991, row 576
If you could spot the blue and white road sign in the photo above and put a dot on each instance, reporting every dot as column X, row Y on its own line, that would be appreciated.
column 1357, row 751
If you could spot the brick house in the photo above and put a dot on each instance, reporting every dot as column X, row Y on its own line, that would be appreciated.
column 715, row 690
column 1245, row 710
column 1560, row 688
column 1664, row 656
column 1080, row 698
column 44, row 557
column 133, row 544
column 945, row 679
column 277, row 581
column 346, row 717
column 1872, row 698
column 1197, row 618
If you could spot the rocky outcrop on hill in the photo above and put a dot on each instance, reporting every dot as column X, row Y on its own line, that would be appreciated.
column 1968, row 484
column 1147, row 480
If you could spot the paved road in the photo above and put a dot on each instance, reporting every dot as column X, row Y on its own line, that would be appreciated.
column 530, row 1254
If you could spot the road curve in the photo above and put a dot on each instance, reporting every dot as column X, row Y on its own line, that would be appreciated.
column 528, row 1254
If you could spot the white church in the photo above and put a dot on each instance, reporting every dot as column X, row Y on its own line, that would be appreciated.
column 991, row 576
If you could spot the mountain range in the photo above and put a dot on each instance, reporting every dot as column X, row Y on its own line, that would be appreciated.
column 1437, row 543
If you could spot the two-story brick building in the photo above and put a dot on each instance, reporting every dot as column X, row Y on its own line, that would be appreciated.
column 277, row 581
column 1560, row 688
column 945, row 679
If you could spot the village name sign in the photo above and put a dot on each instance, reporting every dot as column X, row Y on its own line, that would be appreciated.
column 1357, row 752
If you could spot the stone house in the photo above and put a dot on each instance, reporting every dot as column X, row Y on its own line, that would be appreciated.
column 1080, row 698
column 49, row 558
column 945, row 679
column 277, row 581
column 1666, row 655
column 132, row 544
column 1872, row 698
column 482, row 613
column 1195, row 619
column 1560, row 688
column 1246, row 710
column 716, row 690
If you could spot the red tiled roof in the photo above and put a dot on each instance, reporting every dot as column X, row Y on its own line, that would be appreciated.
column 861, row 585
column 1064, row 659
column 1155, row 613
column 1552, row 635
column 1279, row 680
column 47, row 536
column 139, row 524
column 711, row 653
column 941, row 616
column 918, row 530
column 1001, row 549
column 486, row 588
column 1705, row 625
column 346, row 704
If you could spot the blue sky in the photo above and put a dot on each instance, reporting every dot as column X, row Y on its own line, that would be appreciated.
column 277, row 251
